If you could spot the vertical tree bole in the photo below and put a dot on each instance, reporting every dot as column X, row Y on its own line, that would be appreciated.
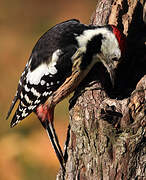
column 106, row 138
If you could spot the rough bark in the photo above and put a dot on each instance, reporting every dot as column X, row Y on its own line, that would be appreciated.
column 106, row 137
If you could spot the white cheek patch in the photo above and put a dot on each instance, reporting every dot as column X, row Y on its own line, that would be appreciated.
column 88, row 35
column 109, row 45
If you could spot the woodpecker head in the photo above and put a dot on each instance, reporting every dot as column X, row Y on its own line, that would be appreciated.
column 112, row 49
column 105, row 44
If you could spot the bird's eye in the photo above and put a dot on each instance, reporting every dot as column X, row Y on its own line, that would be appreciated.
column 115, row 59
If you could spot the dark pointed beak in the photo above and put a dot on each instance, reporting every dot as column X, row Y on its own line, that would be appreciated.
column 112, row 71
column 111, row 65
column 112, row 76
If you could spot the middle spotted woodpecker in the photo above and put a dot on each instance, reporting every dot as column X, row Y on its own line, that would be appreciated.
column 60, row 60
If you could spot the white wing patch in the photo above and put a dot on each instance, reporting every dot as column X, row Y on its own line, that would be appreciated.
column 55, row 57
column 34, row 77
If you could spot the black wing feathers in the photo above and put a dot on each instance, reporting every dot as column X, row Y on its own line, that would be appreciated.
column 58, row 37
column 62, row 37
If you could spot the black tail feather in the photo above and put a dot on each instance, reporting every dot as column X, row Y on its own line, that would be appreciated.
column 12, row 106
column 14, row 121
column 55, row 142
column 20, row 114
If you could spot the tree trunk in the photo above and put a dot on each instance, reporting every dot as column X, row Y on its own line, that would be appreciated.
column 106, row 136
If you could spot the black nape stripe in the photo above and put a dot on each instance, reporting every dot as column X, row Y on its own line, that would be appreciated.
column 93, row 47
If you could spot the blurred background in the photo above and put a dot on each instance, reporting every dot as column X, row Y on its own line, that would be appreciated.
column 25, row 151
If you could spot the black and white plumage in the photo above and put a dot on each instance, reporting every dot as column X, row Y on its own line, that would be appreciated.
column 47, row 68
column 52, row 62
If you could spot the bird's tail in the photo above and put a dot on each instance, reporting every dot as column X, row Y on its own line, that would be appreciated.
column 49, row 127
column 20, row 114
column 55, row 142
column 12, row 105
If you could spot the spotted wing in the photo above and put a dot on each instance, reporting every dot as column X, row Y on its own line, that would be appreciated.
column 48, row 67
